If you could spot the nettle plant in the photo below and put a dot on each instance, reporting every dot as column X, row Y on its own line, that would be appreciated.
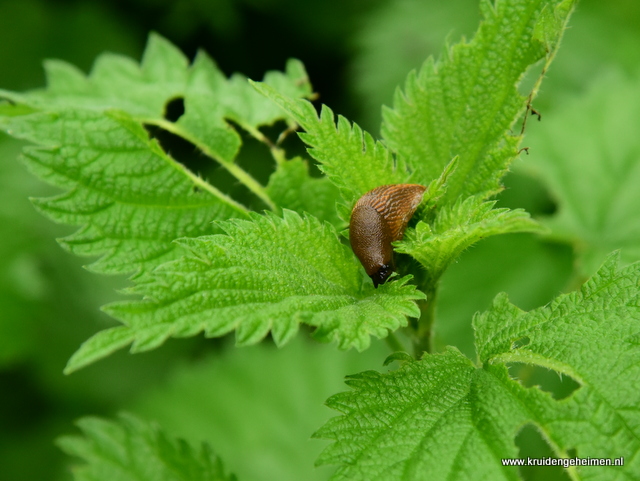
column 202, row 262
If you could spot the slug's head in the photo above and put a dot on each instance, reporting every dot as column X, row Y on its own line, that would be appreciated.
column 379, row 218
column 381, row 275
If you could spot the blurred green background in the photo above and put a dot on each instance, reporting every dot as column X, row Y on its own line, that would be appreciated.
column 258, row 406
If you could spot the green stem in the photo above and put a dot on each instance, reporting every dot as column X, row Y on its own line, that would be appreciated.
column 424, row 330
column 252, row 184
column 536, row 86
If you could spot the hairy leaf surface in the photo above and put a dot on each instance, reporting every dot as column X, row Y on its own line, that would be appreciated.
column 267, row 274
column 465, row 103
column 444, row 418
column 591, row 335
column 130, row 199
column 462, row 108
column 350, row 157
column 438, row 242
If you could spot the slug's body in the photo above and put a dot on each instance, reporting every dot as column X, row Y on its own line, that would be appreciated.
column 379, row 218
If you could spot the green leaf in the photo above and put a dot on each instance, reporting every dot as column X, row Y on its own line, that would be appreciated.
column 432, row 419
column 350, row 157
column 144, row 91
column 593, row 336
column 131, row 449
column 267, row 274
column 115, row 82
column 130, row 199
column 548, row 29
column 444, row 418
column 118, row 82
column 211, row 99
column 436, row 244
column 465, row 103
column 291, row 187
column 587, row 154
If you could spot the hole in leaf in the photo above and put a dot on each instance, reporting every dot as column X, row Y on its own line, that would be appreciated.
column 559, row 385
column 253, row 158
column 174, row 109
column 531, row 444
column 518, row 343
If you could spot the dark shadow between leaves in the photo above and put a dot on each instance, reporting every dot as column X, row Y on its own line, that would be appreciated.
column 187, row 154
column 182, row 151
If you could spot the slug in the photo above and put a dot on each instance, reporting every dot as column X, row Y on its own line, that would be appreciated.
column 379, row 218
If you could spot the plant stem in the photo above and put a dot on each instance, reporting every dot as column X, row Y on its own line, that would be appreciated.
column 424, row 330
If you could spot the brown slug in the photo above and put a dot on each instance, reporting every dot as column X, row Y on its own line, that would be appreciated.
column 379, row 218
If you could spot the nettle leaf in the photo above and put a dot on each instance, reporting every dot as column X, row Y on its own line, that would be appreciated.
column 211, row 99
column 587, row 155
column 466, row 103
column 350, row 157
column 453, row 228
column 444, row 418
column 164, row 74
column 432, row 419
column 593, row 336
column 130, row 198
column 133, row 450
column 115, row 82
column 267, row 274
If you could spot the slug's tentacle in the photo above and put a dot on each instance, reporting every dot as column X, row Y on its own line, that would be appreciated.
column 379, row 218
